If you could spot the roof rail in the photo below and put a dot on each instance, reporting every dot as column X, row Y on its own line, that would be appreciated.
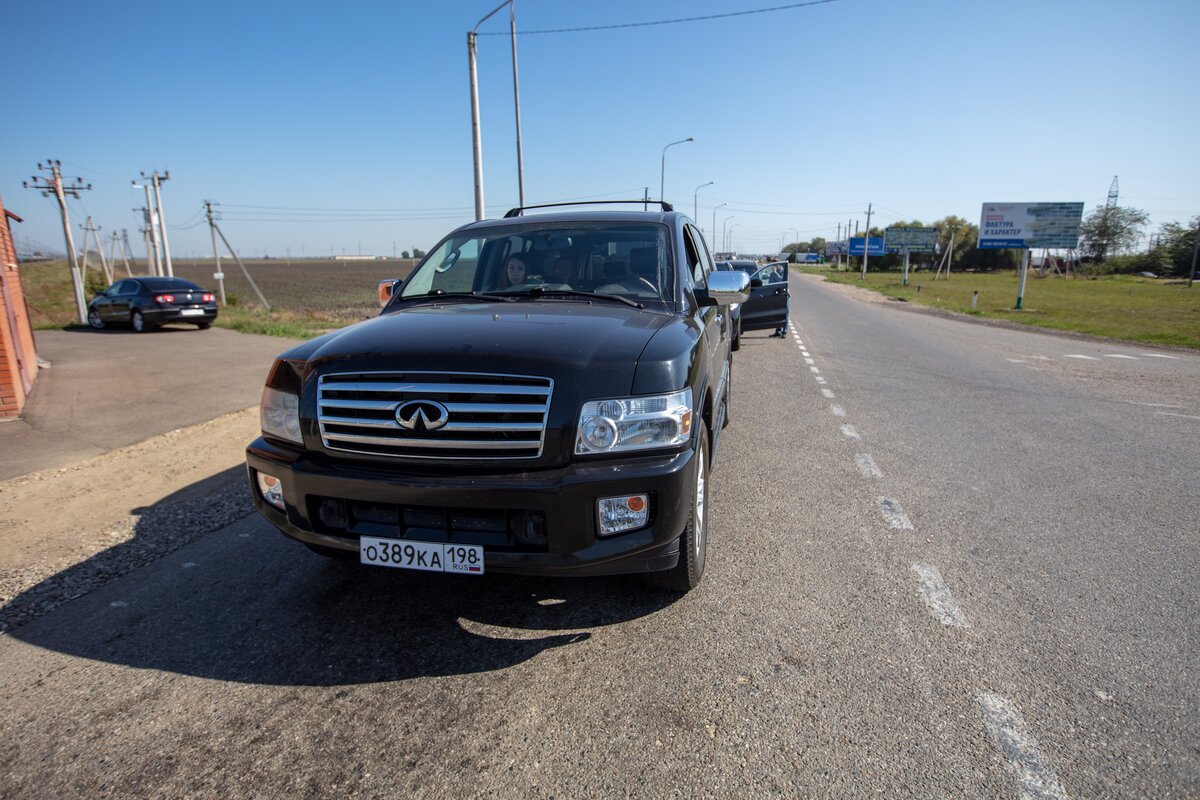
column 520, row 210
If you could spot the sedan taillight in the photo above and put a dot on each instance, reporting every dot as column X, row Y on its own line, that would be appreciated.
column 207, row 298
column 164, row 298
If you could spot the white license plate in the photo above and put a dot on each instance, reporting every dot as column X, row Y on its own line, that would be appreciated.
column 192, row 312
column 464, row 559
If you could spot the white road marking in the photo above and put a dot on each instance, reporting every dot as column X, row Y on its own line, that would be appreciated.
column 1118, row 355
column 1159, row 405
column 849, row 432
column 815, row 371
column 1042, row 358
column 1158, row 355
column 866, row 465
column 1034, row 776
column 828, row 394
column 1016, row 360
column 837, row 410
column 820, row 380
column 809, row 361
column 243, row 536
column 1077, row 355
column 190, row 564
column 895, row 517
column 118, row 604
column 938, row 598
column 1171, row 414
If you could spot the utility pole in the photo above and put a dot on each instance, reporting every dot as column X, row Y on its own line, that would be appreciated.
column 55, row 184
column 156, row 180
column 215, row 229
column 212, row 230
column 1195, row 253
column 714, row 227
column 155, row 262
column 867, row 240
column 512, row 30
column 126, row 252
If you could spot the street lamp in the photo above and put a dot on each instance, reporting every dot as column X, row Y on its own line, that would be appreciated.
column 695, row 196
column 714, row 230
column 723, row 223
column 730, row 243
column 663, row 178
column 475, row 127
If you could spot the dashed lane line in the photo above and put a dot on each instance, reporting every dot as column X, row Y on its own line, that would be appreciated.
column 837, row 410
column 828, row 394
column 1172, row 414
column 937, row 596
column 1158, row 355
column 866, row 465
column 1080, row 355
column 820, row 380
column 895, row 517
column 1035, row 777
column 814, row 370
column 1119, row 355
column 849, row 432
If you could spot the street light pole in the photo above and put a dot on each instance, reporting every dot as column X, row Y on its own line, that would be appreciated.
column 731, row 227
column 663, row 177
column 725, row 222
column 714, row 228
column 475, row 130
column 512, row 30
column 695, row 200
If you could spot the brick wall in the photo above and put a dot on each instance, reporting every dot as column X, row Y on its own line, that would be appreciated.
column 18, row 358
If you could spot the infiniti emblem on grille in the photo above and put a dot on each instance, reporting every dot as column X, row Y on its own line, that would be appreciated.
column 422, row 415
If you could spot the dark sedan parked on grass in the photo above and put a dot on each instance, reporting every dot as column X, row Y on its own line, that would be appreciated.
column 146, row 303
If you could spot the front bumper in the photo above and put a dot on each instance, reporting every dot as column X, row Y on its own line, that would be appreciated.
column 566, row 498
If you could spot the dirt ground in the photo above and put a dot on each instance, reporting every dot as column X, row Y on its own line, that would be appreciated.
column 64, row 531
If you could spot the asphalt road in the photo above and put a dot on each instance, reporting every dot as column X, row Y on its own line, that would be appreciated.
column 112, row 388
column 946, row 560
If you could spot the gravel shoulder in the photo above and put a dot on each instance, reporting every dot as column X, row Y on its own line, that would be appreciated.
column 67, row 531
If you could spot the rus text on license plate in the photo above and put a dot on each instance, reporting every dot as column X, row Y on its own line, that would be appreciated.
column 465, row 559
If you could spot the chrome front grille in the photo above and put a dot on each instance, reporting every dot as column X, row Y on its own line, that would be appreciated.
column 485, row 416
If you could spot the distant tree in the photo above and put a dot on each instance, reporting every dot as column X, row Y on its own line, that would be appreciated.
column 418, row 252
column 966, row 239
column 1114, row 230
column 817, row 245
column 404, row 254
column 1174, row 245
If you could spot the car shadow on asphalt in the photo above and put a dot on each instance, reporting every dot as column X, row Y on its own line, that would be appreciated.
column 127, row 329
column 243, row 603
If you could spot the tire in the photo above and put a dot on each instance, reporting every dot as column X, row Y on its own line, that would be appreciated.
column 728, row 393
column 333, row 553
column 203, row 325
column 737, row 337
column 138, row 322
column 693, row 544
column 94, row 320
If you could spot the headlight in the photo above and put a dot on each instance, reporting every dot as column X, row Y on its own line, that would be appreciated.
column 634, row 423
column 280, row 413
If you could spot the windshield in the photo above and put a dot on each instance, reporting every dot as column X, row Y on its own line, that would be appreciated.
column 630, row 260
column 169, row 285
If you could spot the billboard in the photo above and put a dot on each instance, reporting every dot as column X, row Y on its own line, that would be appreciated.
column 1005, row 226
column 835, row 249
column 875, row 248
column 808, row 258
column 914, row 240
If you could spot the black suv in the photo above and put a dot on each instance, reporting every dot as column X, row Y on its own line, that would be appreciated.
column 543, row 394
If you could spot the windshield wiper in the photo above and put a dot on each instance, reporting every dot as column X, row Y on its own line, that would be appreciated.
column 539, row 291
column 441, row 294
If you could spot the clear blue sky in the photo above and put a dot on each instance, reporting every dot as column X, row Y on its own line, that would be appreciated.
column 801, row 116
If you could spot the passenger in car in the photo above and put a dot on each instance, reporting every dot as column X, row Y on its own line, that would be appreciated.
column 514, row 272
column 562, row 271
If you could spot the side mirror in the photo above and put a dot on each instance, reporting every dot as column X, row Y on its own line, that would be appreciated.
column 726, row 288
column 387, row 288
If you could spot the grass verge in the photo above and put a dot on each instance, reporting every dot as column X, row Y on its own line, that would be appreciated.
column 1146, row 310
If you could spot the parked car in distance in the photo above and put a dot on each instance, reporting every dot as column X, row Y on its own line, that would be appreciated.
column 544, row 394
column 1146, row 275
column 145, row 303
column 735, row 311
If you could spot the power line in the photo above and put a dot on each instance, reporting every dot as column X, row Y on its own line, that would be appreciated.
column 663, row 21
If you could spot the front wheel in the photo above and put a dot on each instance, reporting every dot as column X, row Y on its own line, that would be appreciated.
column 737, row 337
column 94, row 319
column 693, row 544
column 203, row 325
column 138, row 322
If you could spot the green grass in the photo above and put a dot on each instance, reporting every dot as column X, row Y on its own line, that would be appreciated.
column 1120, row 306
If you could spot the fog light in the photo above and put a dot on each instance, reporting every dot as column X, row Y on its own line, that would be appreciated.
column 271, row 489
column 618, row 514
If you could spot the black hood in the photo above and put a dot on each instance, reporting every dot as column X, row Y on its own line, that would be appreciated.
column 594, row 343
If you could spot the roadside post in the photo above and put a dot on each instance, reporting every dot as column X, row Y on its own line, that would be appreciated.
column 218, row 275
column 1025, row 226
